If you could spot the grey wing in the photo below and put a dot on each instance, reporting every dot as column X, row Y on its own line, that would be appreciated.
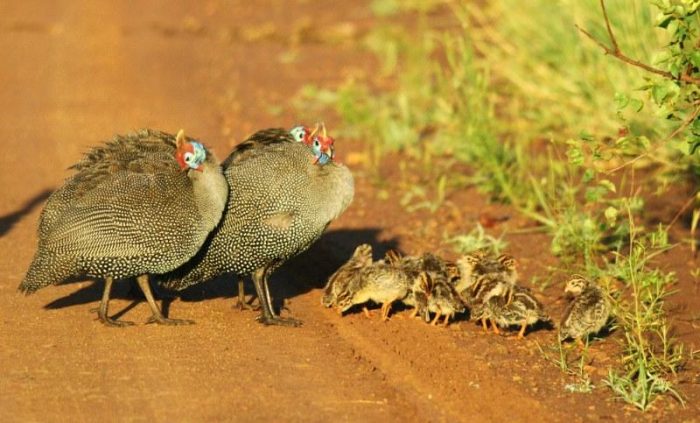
column 127, row 214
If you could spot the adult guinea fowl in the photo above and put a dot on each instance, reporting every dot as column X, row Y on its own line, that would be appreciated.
column 140, row 204
column 283, row 194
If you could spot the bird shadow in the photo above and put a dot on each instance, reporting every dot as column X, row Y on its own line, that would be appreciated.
column 9, row 220
column 125, row 289
column 307, row 271
column 303, row 273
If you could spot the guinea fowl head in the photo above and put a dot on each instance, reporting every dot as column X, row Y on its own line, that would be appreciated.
column 301, row 133
column 189, row 154
column 321, row 145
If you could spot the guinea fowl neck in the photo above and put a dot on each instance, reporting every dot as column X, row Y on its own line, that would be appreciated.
column 337, row 187
column 210, row 192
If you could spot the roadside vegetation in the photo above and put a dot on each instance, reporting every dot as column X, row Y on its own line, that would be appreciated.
column 575, row 113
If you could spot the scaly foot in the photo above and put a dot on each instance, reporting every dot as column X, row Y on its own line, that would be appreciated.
column 242, row 305
column 170, row 322
column 108, row 321
column 278, row 321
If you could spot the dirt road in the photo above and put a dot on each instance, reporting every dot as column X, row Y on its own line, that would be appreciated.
column 74, row 73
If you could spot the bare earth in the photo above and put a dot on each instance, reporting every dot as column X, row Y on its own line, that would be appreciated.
column 74, row 73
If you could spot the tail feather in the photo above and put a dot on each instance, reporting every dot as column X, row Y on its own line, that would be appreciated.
column 46, row 269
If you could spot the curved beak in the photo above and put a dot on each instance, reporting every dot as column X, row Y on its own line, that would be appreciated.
column 328, row 151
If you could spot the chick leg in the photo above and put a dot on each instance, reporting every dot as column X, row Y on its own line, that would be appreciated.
column 484, row 324
column 104, row 306
column 435, row 320
column 365, row 310
column 521, row 334
column 494, row 326
column 387, row 310
column 447, row 320
column 157, row 316
column 414, row 313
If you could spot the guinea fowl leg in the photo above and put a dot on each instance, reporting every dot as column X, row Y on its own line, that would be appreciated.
column 241, row 304
column 104, row 306
column 268, row 316
column 157, row 316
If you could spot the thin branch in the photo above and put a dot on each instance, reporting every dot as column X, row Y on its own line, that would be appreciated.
column 618, row 54
column 613, row 40
column 685, row 124
column 689, row 120
column 682, row 210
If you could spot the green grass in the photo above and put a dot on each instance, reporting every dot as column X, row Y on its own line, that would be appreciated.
column 541, row 116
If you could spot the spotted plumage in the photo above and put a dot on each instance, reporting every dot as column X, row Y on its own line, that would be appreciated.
column 281, row 200
column 587, row 313
column 135, row 206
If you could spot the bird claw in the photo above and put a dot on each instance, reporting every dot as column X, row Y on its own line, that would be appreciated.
column 170, row 322
column 242, row 305
column 278, row 321
column 114, row 323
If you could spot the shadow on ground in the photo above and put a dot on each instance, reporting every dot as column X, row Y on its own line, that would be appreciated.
column 9, row 220
column 308, row 271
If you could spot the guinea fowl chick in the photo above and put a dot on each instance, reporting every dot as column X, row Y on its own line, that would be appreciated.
column 380, row 283
column 413, row 266
column 339, row 281
column 486, row 287
column 140, row 204
column 587, row 313
column 283, row 195
column 522, row 309
column 442, row 298
column 472, row 266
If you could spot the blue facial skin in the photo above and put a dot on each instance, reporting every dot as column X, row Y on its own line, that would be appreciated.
column 321, row 157
column 200, row 154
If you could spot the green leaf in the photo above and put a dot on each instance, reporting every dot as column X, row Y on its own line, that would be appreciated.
column 694, row 58
column 575, row 155
column 664, row 23
column 588, row 175
column 611, row 214
column 608, row 184
column 586, row 136
column 593, row 194
column 663, row 91
column 621, row 100
column 636, row 105
column 694, row 144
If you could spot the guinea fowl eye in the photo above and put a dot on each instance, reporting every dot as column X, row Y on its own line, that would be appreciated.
column 188, row 157
column 316, row 143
